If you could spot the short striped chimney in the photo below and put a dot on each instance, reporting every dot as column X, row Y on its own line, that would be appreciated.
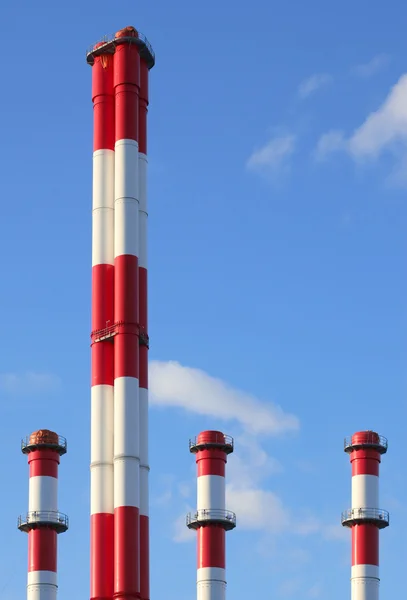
column 211, row 520
column 43, row 521
column 365, row 519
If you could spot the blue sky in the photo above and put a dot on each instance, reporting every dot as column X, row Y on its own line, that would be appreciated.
column 277, row 193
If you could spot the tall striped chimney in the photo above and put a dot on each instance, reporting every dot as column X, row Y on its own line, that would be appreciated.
column 119, row 462
column 365, row 519
column 211, row 519
column 43, row 521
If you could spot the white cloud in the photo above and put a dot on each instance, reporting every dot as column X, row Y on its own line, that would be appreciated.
column 181, row 532
column 172, row 384
column 251, row 464
column 372, row 67
column 328, row 143
column 257, row 509
column 383, row 131
column 28, row 382
column 384, row 127
column 312, row 84
column 272, row 159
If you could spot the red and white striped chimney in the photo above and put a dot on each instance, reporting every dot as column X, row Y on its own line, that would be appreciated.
column 126, row 315
column 365, row 518
column 211, row 520
column 43, row 521
column 144, row 341
column 101, row 462
column 120, row 568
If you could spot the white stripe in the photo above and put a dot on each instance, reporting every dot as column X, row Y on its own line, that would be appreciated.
column 126, row 417
column 103, row 205
column 365, row 491
column 101, row 424
column 126, row 482
column 211, row 492
column 126, row 442
column 143, row 421
column 101, row 474
column 365, row 589
column 211, row 573
column 213, row 590
column 43, row 494
column 143, row 214
column 126, row 205
column 101, row 489
column 102, row 237
column 365, row 571
column 126, row 227
column 126, row 169
column 144, row 468
column 36, row 577
column 41, row 592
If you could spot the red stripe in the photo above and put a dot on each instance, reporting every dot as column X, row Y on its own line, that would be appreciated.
column 143, row 316
column 144, row 558
column 211, row 462
column 126, row 88
column 143, row 104
column 44, row 463
column 103, row 103
column 211, row 547
column 42, row 550
column 102, row 295
column 126, row 288
column 365, row 545
column 102, row 363
column 143, row 361
column 101, row 556
column 126, row 553
column 143, row 306
column 365, row 462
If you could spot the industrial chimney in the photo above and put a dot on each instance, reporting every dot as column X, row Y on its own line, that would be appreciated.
column 364, row 518
column 211, row 520
column 43, row 521
column 119, row 397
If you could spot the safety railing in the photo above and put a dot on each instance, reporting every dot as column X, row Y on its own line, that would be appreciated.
column 373, row 515
column 55, row 519
column 45, row 439
column 212, row 439
column 110, row 331
column 108, row 43
column 202, row 516
column 368, row 439
column 99, row 335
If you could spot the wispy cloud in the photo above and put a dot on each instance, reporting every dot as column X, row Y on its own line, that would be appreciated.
column 181, row 532
column 312, row 84
column 330, row 142
column 173, row 384
column 272, row 159
column 248, row 492
column 372, row 67
column 29, row 382
column 383, row 131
